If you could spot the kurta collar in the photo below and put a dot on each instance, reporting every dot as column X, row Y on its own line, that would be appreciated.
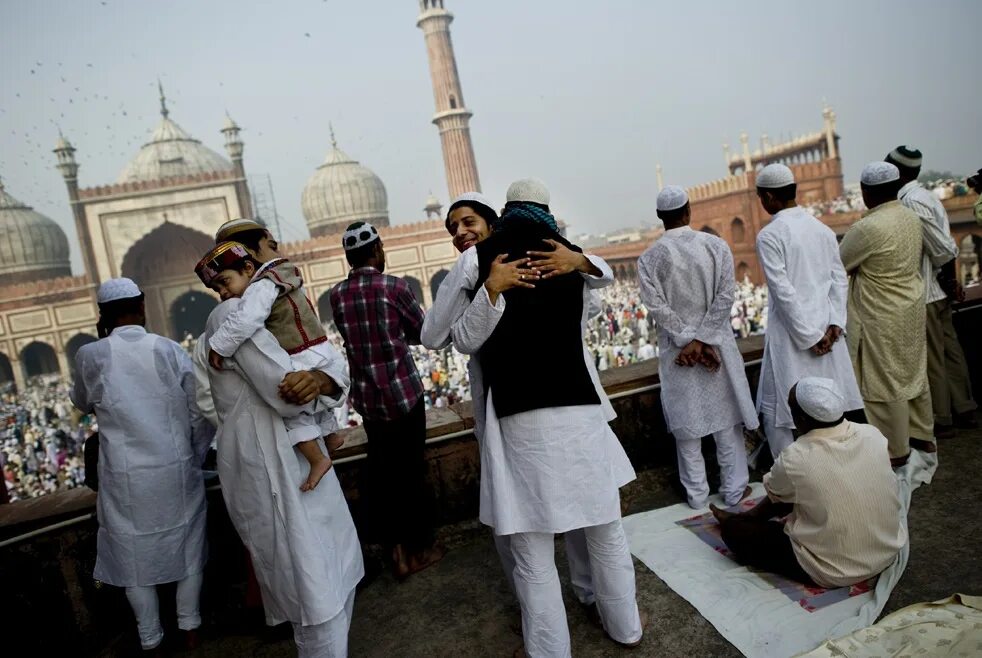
column 908, row 188
column 265, row 267
column 836, row 433
column 366, row 270
column 129, row 329
column 882, row 206
column 676, row 231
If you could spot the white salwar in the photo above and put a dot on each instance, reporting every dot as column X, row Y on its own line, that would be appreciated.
column 807, row 291
column 548, row 471
column 152, row 442
column 687, row 283
column 303, row 545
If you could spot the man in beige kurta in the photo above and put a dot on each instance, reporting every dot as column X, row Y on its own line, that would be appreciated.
column 886, row 317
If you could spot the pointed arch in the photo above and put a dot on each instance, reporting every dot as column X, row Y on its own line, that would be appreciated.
column 189, row 313
column 738, row 230
column 39, row 358
column 416, row 287
column 436, row 280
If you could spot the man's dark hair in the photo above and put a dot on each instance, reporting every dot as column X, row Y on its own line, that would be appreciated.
column 485, row 213
column 361, row 255
column 239, row 265
column 906, row 173
column 884, row 191
column 110, row 312
column 785, row 194
column 250, row 238
column 821, row 424
column 672, row 216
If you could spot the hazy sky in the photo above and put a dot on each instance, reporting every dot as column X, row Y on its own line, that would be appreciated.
column 586, row 95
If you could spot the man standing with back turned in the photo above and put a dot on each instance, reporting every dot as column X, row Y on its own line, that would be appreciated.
column 152, row 441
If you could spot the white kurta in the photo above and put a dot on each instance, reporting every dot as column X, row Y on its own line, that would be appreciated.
column 303, row 545
column 687, row 282
column 807, row 291
column 152, row 442
column 547, row 470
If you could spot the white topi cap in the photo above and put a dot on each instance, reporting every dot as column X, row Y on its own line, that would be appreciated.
column 115, row 289
column 528, row 189
column 672, row 197
column 820, row 398
column 878, row 173
column 774, row 176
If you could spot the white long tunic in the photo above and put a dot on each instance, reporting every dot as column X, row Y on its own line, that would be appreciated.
column 687, row 282
column 807, row 291
column 547, row 470
column 939, row 246
column 304, row 546
column 152, row 442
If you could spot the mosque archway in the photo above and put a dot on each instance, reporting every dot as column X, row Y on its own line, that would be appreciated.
column 324, row 308
column 160, row 261
column 742, row 271
column 39, row 359
column 436, row 281
column 189, row 313
column 416, row 287
column 6, row 372
column 737, row 230
column 72, row 347
column 709, row 229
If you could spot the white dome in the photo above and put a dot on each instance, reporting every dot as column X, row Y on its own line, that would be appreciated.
column 32, row 246
column 172, row 152
column 340, row 192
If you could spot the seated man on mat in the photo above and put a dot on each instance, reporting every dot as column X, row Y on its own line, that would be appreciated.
column 838, row 491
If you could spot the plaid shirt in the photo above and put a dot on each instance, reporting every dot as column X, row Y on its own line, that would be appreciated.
column 378, row 317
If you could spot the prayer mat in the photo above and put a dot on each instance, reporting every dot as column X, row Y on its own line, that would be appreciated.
column 750, row 609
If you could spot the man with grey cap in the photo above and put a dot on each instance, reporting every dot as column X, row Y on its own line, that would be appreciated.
column 687, row 283
column 152, row 441
column 947, row 372
column 882, row 255
column 838, row 492
column 806, row 306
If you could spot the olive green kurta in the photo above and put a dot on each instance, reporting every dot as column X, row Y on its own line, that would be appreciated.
column 886, row 315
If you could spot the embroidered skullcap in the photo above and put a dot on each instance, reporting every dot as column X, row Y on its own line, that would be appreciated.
column 775, row 176
column 116, row 289
column 906, row 156
column 469, row 199
column 528, row 189
column 671, row 197
column 221, row 257
column 820, row 398
column 358, row 235
column 231, row 227
column 878, row 173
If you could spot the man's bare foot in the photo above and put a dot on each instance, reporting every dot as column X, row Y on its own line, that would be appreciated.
column 426, row 558
column 333, row 442
column 317, row 470
column 720, row 514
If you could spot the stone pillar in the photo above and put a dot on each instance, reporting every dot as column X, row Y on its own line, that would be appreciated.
column 18, row 369
column 747, row 162
column 66, row 372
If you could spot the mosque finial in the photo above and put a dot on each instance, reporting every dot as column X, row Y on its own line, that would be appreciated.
column 163, row 99
column 334, row 142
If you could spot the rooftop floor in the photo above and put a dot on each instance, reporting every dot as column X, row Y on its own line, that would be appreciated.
column 462, row 606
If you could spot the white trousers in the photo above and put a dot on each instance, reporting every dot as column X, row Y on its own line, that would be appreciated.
column 326, row 640
column 731, row 453
column 544, row 626
column 778, row 438
column 577, row 557
column 145, row 606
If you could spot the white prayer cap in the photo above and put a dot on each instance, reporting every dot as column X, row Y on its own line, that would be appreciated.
column 671, row 197
column 528, row 189
column 231, row 227
column 820, row 398
column 878, row 173
column 358, row 235
column 114, row 289
column 774, row 176
column 468, row 198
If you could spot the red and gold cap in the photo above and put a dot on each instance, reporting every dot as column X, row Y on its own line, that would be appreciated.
column 221, row 257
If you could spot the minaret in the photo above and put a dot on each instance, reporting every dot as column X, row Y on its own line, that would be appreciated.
column 452, row 117
column 69, row 171
column 234, row 146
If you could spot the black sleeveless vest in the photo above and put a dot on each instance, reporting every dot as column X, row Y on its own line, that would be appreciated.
column 534, row 358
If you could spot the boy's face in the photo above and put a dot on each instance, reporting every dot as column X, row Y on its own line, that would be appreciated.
column 232, row 283
column 467, row 228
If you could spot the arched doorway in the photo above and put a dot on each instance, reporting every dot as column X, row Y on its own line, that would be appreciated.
column 73, row 346
column 161, row 260
column 324, row 309
column 738, row 231
column 436, row 281
column 416, row 287
column 6, row 373
column 742, row 271
column 709, row 229
column 189, row 313
column 39, row 359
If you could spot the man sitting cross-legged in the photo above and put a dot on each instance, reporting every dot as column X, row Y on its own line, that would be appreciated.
column 839, row 494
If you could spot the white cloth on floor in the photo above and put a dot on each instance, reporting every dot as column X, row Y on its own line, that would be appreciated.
column 731, row 453
column 152, row 443
column 807, row 291
column 303, row 544
column 328, row 639
column 146, row 608
column 687, row 282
